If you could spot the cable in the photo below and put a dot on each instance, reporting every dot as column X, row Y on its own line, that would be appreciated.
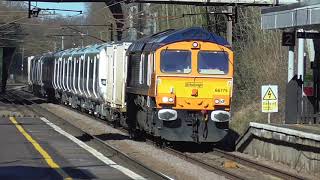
column 13, row 21
column 12, row 12
column 107, row 6
column 94, row 37
column 18, row 40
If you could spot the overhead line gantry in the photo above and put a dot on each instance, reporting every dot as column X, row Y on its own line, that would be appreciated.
column 117, row 11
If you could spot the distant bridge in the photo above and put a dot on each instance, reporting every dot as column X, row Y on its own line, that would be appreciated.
column 117, row 11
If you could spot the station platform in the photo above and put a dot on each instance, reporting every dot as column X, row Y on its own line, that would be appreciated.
column 295, row 145
column 32, row 149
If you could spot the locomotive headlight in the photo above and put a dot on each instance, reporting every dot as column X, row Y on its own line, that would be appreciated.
column 165, row 99
column 219, row 101
column 195, row 44
column 168, row 99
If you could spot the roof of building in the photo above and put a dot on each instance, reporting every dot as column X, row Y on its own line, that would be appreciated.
column 153, row 42
column 304, row 14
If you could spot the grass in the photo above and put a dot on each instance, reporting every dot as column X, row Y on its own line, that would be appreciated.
column 250, row 113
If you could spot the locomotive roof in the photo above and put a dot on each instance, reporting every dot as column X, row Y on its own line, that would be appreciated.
column 153, row 42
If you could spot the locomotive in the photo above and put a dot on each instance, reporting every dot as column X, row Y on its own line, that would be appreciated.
column 175, row 85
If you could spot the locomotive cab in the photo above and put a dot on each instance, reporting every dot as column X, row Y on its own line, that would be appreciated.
column 198, row 79
column 179, row 85
column 194, row 88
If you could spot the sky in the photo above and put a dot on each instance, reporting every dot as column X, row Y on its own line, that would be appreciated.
column 69, row 6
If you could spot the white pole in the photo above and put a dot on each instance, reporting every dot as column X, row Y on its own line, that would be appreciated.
column 54, row 46
column 301, row 67
column 269, row 120
column 291, row 63
column 229, row 26
column 22, row 56
column 300, row 58
column 62, row 42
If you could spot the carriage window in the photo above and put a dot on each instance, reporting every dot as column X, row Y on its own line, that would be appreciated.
column 175, row 61
column 213, row 62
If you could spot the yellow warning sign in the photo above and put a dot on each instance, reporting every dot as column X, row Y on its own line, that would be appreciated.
column 268, row 106
column 269, row 98
column 269, row 95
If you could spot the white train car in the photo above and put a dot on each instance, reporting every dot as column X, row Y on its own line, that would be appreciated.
column 40, row 74
column 92, row 78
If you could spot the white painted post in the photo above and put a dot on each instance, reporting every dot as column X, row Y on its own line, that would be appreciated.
column 62, row 42
column 229, row 26
column 291, row 63
column 301, row 71
column 301, row 58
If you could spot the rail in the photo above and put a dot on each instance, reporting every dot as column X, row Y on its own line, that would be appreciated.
column 216, row 168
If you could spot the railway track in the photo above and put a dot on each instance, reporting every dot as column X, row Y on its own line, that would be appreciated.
column 17, row 111
column 241, row 160
column 214, row 168
column 30, row 105
column 218, row 169
column 258, row 166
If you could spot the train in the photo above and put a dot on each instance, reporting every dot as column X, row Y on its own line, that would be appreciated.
column 174, row 85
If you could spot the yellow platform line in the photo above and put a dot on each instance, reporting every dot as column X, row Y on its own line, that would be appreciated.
column 43, row 153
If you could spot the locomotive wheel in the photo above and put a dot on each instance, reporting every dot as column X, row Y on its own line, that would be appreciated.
column 82, row 109
column 160, row 142
column 132, row 134
column 137, row 135
column 116, row 123
column 97, row 115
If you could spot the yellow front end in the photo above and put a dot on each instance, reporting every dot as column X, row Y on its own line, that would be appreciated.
column 194, row 93
column 193, row 88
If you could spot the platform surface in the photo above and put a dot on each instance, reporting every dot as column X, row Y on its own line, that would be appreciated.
column 305, row 131
column 308, row 128
column 19, row 159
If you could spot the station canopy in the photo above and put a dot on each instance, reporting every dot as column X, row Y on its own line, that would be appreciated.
column 305, row 14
